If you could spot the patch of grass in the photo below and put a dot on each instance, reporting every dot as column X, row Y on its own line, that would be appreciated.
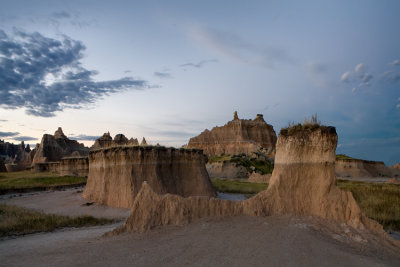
column 380, row 202
column 343, row 156
column 219, row 158
column 309, row 125
column 252, row 164
column 27, row 179
column 235, row 186
column 20, row 221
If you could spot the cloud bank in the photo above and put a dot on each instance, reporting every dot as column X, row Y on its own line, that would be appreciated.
column 8, row 134
column 45, row 75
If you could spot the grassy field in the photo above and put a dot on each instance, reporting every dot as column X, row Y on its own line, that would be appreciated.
column 28, row 180
column 20, row 221
column 237, row 186
column 380, row 202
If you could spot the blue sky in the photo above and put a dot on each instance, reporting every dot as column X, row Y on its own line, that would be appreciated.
column 167, row 70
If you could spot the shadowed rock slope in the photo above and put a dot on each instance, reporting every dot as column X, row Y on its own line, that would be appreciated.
column 116, row 174
column 54, row 147
column 302, row 183
column 236, row 137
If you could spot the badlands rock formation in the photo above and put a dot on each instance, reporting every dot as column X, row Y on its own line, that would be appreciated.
column 119, row 140
column 54, row 147
column 302, row 183
column 75, row 166
column 116, row 174
column 16, row 157
column 256, row 177
column 362, row 168
column 2, row 166
column 226, row 169
column 236, row 137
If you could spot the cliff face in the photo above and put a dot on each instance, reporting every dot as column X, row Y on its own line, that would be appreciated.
column 236, row 137
column 17, row 157
column 119, row 140
column 76, row 166
column 116, row 174
column 362, row 168
column 54, row 147
column 302, row 183
column 224, row 169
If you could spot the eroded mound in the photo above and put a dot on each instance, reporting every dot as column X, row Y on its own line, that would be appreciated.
column 302, row 183
column 116, row 174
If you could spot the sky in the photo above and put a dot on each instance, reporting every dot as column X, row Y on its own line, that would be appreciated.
column 167, row 70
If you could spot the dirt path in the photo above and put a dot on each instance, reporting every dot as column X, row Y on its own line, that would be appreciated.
column 229, row 241
column 67, row 202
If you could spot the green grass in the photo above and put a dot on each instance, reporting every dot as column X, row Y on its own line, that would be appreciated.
column 27, row 180
column 20, row 221
column 237, row 186
column 343, row 156
column 219, row 158
column 380, row 202
column 251, row 164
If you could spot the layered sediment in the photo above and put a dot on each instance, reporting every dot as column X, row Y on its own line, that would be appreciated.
column 302, row 183
column 119, row 140
column 116, row 174
column 236, row 137
column 75, row 166
column 362, row 168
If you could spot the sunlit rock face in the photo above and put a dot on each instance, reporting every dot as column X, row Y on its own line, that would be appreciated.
column 236, row 137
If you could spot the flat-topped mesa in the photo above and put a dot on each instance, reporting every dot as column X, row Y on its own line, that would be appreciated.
column 116, row 174
column 236, row 137
column 54, row 147
column 363, row 168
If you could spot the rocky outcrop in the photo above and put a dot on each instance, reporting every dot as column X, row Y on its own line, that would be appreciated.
column 226, row 169
column 117, row 173
column 119, row 140
column 302, row 183
column 236, row 137
column 362, row 168
column 2, row 166
column 74, row 166
column 144, row 142
column 17, row 157
column 256, row 177
column 54, row 147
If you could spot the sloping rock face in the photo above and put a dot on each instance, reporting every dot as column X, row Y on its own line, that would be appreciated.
column 18, row 157
column 75, row 166
column 302, row 183
column 119, row 140
column 236, row 137
column 54, row 147
column 2, row 166
column 226, row 169
column 362, row 168
column 116, row 174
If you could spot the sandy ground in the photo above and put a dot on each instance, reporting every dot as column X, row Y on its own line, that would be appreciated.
column 67, row 202
column 224, row 241
column 228, row 241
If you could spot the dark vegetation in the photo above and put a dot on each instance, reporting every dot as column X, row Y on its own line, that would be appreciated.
column 20, row 221
column 343, row 156
column 260, row 164
column 309, row 125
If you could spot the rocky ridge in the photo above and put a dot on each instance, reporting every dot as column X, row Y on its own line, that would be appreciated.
column 236, row 137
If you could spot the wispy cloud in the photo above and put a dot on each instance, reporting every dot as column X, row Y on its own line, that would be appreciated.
column 199, row 64
column 3, row 120
column 360, row 76
column 235, row 47
column 395, row 62
column 84, row 137
column 8, row 134
column 45, row 75
column 163, row 75
column 24, row 138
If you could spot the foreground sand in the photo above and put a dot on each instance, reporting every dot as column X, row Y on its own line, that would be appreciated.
column 229, row 241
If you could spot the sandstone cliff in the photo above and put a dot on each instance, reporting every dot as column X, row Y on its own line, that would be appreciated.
column 302, row 183
column 362, row 168
column 119, row 140
column 117, row 173
column 236, row 137
column 54, row 147
column 75, row 166
column 226, row 169
column 256, row 177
